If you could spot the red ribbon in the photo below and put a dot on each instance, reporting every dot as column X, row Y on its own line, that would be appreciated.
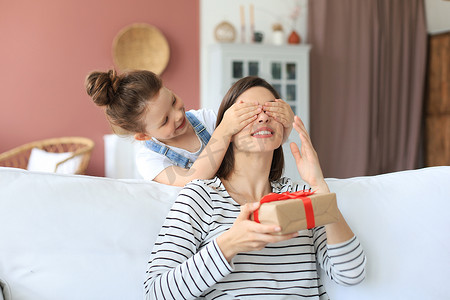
column 302, row 195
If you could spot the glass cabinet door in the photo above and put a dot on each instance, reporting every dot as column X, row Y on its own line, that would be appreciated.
column 237, row 69
column 242, row 68
column 283, row 75
column 253, row 68
column 284, row 80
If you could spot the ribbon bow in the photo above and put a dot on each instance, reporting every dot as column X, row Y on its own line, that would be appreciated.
column 286, row 195
column 302, row 195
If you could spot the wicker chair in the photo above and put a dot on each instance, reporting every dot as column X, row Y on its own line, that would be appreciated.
column 80, row 146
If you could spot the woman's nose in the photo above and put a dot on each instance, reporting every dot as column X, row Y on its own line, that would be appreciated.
column 263, row 117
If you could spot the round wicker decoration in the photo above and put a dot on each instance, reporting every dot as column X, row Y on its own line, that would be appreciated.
column 225, row 32
column 141, row 47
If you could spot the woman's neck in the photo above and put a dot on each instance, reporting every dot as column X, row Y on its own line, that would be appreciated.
column 249, row 180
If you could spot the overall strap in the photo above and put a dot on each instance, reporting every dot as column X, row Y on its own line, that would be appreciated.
column 176, row 158
column 199, row 128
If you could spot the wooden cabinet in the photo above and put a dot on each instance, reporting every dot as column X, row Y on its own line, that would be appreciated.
column 437, row 102
column 285, row 67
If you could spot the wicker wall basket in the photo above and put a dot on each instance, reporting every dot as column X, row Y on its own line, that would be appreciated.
column 141, row 47
column 80, row 146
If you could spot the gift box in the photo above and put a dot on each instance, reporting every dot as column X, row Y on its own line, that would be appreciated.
column 297, row 211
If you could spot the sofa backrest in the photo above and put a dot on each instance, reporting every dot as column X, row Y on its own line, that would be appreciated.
column 80, row 237
column 402, row 220
column 77, row 237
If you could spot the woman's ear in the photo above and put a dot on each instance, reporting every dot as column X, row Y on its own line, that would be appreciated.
column 142, row 137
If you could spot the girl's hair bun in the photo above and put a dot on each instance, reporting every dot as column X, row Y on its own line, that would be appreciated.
column 102, row 87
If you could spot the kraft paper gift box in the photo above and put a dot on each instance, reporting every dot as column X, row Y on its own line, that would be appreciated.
column 297, row 211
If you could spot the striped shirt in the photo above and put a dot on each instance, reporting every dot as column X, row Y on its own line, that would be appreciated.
column 186, row 262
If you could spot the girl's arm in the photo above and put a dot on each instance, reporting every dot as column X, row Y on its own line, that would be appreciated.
column 235, row 118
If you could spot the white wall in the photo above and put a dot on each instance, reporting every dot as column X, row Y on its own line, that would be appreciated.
column 266, row 13
column 438, row 16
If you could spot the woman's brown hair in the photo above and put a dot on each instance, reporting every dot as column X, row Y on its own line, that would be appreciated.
column 125, row 96
column 276, row 169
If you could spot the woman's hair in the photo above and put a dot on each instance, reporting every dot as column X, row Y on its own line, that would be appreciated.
column 125, row 96
column 233, row 93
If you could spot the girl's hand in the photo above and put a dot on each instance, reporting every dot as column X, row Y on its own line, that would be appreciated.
column 246, row 235
column 238, row 116
column 281, row 112
column 307, row 161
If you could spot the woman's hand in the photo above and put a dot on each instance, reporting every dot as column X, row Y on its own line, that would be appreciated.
column 307, row 161
column 281, row 112
column 246, row 235
column 238, row 116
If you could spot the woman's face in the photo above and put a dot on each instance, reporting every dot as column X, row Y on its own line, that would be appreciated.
column 165, row 118
column 264, row 134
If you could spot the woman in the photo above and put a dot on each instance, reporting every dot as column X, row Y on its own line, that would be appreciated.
column 209, row 247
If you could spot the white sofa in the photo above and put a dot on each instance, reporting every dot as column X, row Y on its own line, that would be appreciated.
column 80, row 237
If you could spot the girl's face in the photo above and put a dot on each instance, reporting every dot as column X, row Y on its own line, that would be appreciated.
column 264, row 134
column 165, row 118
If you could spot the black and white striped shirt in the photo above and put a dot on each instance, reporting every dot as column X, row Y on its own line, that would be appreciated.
column 186, row 262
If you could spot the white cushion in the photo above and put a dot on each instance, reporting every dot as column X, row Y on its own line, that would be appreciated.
column 43, row 161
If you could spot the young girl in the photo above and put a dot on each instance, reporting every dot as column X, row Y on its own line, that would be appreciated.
column 209, row 248
column 177, row 146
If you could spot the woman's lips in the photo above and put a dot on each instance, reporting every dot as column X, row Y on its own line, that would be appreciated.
column 263, row 132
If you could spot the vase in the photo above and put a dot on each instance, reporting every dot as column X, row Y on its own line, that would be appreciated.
column 294, row 38
column 278, row 37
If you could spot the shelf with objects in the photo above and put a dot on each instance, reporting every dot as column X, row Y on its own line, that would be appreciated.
column 286, row 67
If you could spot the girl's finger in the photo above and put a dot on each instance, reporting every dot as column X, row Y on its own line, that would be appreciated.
column 279, row 118
column 274, row 109
column 242, row 105
column 275, row 102
column 246, row 121
column 248, row 112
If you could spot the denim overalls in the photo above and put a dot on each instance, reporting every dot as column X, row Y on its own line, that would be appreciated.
column 176, row 158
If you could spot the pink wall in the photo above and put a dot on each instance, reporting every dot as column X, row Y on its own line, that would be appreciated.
column 49, row 46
